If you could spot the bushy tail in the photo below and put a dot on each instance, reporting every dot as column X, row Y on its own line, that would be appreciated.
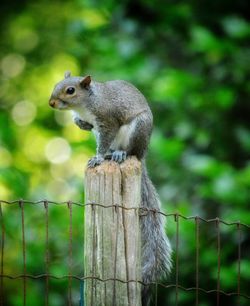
column 156, row 249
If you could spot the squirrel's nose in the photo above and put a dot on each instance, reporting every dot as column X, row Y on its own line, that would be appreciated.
column 52, row 102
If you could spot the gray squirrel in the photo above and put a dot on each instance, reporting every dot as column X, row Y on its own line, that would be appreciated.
column 121, row 120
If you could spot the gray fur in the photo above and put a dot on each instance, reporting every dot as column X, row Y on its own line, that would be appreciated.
column 122, row 123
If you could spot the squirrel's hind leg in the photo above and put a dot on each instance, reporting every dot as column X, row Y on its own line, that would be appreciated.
column 139, row 139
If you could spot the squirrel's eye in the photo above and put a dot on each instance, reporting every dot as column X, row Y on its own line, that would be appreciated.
column 70, row 90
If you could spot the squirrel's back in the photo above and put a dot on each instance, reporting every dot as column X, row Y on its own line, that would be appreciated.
column 123, row 98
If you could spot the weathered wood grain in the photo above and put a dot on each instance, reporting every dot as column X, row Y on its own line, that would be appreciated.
column 112, row 234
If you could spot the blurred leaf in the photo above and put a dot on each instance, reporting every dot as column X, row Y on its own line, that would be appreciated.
column 169, row 149
column 236, row 27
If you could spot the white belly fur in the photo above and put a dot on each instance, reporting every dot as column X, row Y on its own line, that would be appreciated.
column 123, row 136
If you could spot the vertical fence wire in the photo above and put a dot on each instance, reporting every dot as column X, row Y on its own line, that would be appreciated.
column 21, row 204
column 177, row 260
column 116, row 213
column 138, row 246
column 156, row 260
column 81, row 300
column 93, row 281
column 238, row 263
column 217, row 222
column 103, row 269
column 70, row 255
column 2, row 255
column 197, row 242
column 46, row 253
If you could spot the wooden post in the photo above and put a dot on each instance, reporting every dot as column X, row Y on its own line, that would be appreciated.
column 112, row 234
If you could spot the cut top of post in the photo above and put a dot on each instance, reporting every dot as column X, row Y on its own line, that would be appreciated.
column 130, row 166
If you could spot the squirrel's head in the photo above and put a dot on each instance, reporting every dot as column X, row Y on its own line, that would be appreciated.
column 70, row 92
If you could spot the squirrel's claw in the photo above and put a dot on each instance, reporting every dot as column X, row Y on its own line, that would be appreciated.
column 119, row 156
column 95, row 161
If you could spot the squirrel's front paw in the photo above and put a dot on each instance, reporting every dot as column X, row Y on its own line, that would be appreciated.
column 119, row 156
column 94, row 161
column 83, row 125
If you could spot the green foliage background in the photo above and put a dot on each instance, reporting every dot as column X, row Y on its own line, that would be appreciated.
column 191, row 59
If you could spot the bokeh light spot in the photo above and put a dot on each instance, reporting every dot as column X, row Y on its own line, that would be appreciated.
column 12, row 65
column 5, row 158
column 26, row 39
column 58, row 150
column 60, row 190
column 23, row 113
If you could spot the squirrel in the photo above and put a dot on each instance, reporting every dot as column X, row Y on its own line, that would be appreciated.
column 121, row 120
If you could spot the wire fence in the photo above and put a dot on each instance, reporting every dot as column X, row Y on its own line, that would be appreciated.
column 42, row 251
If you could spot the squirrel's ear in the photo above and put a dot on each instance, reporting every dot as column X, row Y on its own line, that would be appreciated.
column 85, row 81
column 67, row 74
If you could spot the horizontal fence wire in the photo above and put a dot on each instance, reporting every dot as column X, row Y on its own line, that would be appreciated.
column 69, row 256
column 142, row 210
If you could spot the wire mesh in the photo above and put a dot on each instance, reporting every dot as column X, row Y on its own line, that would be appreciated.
column 28, row 217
